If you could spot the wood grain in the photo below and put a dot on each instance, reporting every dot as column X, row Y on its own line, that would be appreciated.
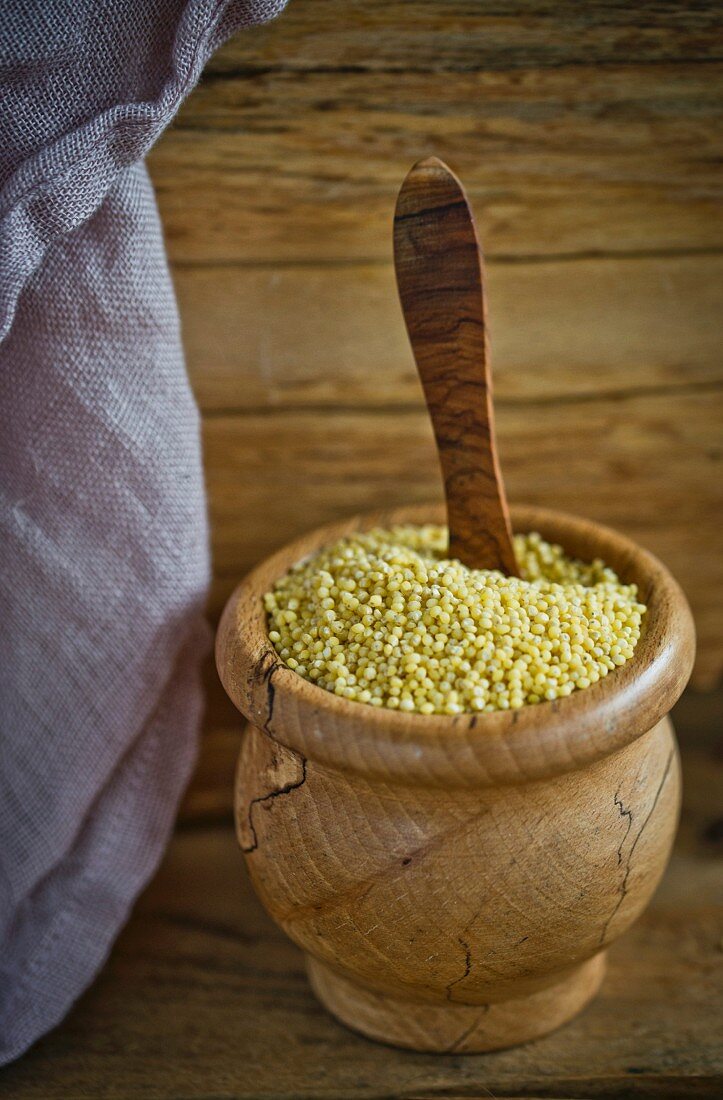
column 290, row 471
column 588, row 137
column 581, row 128
column 463, row 751
column 454, row 35
column 416, row 859
column 553, row 160
column 209, row 799
column 203, row 996
column 440, row 276
column 309, row 334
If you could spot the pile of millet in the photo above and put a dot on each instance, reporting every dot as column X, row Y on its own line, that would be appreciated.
column 384, row 618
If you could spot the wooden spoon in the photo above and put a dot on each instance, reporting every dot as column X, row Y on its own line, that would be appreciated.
column 440, row 276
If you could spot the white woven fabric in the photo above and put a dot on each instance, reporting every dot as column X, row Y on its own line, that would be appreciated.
column 103, row 535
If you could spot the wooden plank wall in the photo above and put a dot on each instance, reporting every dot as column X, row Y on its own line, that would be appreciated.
column 588, row 136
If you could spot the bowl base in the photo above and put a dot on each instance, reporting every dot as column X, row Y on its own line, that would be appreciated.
column 455, row 1028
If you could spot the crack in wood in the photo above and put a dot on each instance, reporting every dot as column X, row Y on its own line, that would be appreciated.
column 628, row 866
column 459, row 1041
column 265, row 671
column 623, row 813
column 467, row 968
column 270, row 797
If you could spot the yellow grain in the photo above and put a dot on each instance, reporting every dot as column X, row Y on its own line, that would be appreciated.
column 385, row 618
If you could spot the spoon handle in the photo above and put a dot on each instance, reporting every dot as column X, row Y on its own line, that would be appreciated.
column 440, row 276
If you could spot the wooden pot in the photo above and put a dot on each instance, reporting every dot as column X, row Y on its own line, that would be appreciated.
column 455, row 881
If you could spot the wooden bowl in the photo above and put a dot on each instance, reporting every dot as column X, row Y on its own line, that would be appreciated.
column 455, row 881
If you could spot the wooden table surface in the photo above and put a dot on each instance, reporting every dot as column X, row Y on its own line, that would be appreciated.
column 203, row 998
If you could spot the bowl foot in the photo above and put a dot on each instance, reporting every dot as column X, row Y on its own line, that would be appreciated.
column 455, row 1028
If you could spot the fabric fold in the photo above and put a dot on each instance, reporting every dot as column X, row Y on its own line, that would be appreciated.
column 104, row 562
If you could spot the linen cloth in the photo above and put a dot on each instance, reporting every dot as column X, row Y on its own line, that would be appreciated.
column 103, row 536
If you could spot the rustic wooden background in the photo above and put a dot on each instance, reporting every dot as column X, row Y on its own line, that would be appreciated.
column 586, row 134
column 588, row 137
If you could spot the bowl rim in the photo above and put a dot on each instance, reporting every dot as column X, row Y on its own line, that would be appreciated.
column 536, row 741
